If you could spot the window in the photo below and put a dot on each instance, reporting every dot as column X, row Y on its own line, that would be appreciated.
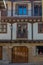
column 40, row 28
column 4, row 11
column 39, row 49
column 3, row 28
column 2, row 5
column 22, row 10
column 22, row 30
column 37, row 10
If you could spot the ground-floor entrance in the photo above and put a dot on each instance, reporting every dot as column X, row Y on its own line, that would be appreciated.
column 20, row 54
column 0, row 52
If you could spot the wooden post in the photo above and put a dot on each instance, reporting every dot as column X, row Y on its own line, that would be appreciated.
column 0, row 15
column 42, row 10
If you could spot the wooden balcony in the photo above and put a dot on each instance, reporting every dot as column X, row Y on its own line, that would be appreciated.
column 21, row 41
column 14, row 19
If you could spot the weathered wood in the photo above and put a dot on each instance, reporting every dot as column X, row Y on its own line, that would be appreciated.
column 20, row 54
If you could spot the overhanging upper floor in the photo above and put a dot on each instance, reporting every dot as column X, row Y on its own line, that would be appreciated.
column 21, row 19
column 27, row 11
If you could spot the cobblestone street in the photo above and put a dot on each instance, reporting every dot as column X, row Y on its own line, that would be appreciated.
column 23, row 64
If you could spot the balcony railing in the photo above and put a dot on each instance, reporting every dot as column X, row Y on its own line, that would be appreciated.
column 12, row 15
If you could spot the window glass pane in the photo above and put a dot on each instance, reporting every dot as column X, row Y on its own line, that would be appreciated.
column 3, row 28
column 24, row 11
column 36, row 10
column 0, row 30
column 40, row 28
column 21, row 30
column 40, row 49
column 40, row 11
column 9, row 13
column 2, row 6
column 20, row 10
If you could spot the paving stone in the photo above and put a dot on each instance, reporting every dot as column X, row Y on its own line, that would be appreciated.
column 22, row 64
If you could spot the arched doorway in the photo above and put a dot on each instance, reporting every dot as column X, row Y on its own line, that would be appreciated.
column 20, row 54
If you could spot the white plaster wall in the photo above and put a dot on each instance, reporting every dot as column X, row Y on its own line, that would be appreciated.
column 14, row 31
column 13, row 9
column 29, row 31
column 6, row 36
column 9, row 13
column 9, row 9
column 29, row 9
column 36, row 35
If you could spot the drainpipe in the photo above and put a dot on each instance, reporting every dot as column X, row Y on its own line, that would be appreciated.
column 32, row 16
column 32, row 30
column 11, row 23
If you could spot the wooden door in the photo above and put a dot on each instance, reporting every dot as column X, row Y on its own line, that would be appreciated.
column 20, row 54
column 0, row 53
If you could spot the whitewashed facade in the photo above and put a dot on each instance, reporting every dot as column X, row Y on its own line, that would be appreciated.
column 7, row 36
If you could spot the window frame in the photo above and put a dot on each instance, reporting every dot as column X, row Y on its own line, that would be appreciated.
column 36, row 3
column 26, row 31
column 4, row 11
column 2, row 28
column 1, row 4
column 38, row 51
column 16, row 8
column 40, row 27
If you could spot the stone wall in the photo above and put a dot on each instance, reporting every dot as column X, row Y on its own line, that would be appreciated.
column 32, row 56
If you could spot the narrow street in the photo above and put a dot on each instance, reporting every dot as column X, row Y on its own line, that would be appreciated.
column 23, row 64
